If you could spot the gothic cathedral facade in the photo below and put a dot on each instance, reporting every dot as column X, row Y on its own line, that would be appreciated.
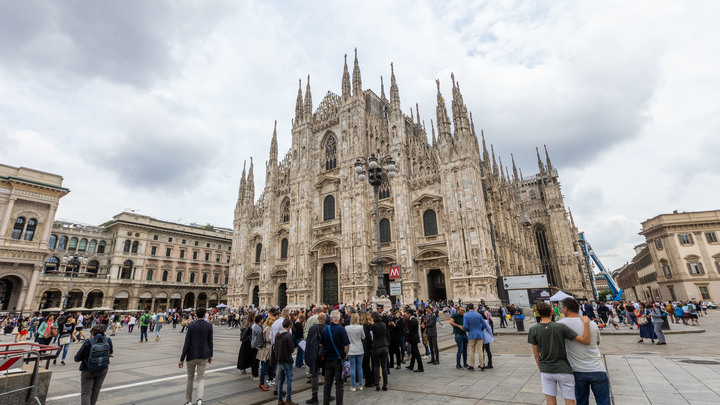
column 453, row 219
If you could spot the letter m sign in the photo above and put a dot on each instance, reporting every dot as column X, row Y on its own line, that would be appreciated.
column 394, row 272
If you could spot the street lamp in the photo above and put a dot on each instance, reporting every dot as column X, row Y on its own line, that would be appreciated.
column 377, row 169
column 75, row 262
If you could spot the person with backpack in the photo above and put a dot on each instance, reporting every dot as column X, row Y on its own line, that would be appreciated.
column 198, row 351
column 159, row 319
column 94, row 357
column 144, row 323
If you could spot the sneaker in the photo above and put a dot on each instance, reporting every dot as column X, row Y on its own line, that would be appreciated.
column 188, row 403
column 199, row 402
column 459, row 366
column 361, row 388
column 271, row 383
column 254, row 378
column 352, row 389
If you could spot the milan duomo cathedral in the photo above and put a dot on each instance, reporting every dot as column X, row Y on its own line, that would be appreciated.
column 454, row 218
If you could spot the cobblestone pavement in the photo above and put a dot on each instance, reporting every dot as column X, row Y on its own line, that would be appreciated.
column 147, row 373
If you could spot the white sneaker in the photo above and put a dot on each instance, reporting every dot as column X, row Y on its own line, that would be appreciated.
column 360, row 387
column 271, row 383
column 199, row 402
column 352, row 389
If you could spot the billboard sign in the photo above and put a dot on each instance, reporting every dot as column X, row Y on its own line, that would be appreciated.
column 525, row 282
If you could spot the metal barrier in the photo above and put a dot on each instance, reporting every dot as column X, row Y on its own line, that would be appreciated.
column 27, row 352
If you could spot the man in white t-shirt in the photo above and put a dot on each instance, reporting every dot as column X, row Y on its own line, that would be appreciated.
column 586, row 361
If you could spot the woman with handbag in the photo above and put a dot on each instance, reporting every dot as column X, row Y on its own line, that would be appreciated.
column 47, row 330
column 263, row 353
column 67, row 336
column 645, row 324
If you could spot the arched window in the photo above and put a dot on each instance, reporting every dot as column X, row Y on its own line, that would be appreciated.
column 73, row 244
column 329, row 208
column 92, row 266
column 178, row 277
column 384, row 189
column 285, row 208
column 126, row 246
column 226, row 278
column 101, row 247
column 165, row 275
column 384, row 230
column 92, row 246
column 192, row 277
column 82, row 246
column 52, row 242
column 546, row 263
column 258, row 252
column 30, row 230
column 51, row 264
column 430, row 223
column 204, row 279
column 126, row 270
column 135, row 247
column 216, row 278
column 149, row 275
column 18, row 228
column 330, row 153
column 62, row 243
column 283, row 248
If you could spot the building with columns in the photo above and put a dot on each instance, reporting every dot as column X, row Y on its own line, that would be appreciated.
column 454, row 219
column 28, row 202
column 134, row 262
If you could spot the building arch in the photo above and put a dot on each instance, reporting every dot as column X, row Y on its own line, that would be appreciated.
column 544, row 254
column 284, row 248
column 329, row 207
column 10, row 288
column 52, row 264
column 126, row 270
column 329, row 145
column 50, row 298
column 285, row 209
column 52, row 242
column 94, row 299
column 385, row 234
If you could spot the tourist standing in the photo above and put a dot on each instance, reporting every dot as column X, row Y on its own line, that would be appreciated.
column 79, row 325
column 336, row 343
column 548, row 343
column 356, row 334
column 413, row 339
column 144, row 324
column 298, row 328
column 94, row 357
column 657, row 315
column 47, row 330
column 380, row 342
column 645, row 322
column 66, row 336
column 313, row 354
column 198, row 351
column 264, row 353
column 586, row 362
column 487, row 339
column 473, row 324
column 461, row 339
column 431, row 329
column 246, row 353
column 131, row 323
column 284, row 346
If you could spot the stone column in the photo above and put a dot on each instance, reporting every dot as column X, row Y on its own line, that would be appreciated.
column 50, row 220
column 27, row 296
column 152, row 305
column 6, row 218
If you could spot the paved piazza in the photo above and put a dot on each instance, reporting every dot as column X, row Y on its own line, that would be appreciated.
column 147, row 373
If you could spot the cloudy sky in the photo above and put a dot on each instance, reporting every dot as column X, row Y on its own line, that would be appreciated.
column 154, row 106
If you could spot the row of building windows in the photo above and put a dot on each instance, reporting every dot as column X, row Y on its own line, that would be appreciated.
column 24, row 227
column 687, row 239
column 183, row 241
column 81, row 245
column 168, row 253
column 149, row 276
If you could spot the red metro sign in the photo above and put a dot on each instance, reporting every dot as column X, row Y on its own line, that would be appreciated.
column 394, row 272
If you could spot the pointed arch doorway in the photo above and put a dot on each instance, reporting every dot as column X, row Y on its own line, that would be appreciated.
column 256, row 296
column 282, row 295
column 436, row 285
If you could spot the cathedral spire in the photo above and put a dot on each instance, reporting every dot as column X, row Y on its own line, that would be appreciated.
column 241, row 189
column 460, row 115
column 515, row 172
column 547, row 159
column 299, row 114
column 394, row 92
column 432, row 127
column 495, row 165
column 417, row 116
column 444, row 133
column 502, row 171
column 382, row 89
column 274, row 145
column 345, row 81
column 540, row 163
column 486, row 156
column 357, row 81
column 308, row 102
column 250, row 186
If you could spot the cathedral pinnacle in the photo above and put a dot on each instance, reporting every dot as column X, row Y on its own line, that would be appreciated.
column 345, row 82
column 308, row 101
column 394, row 92
column 495, row 165
column 417, row 116
column 250, row 185
column 540, row 163
column 299, row 104
column 274, row 145
column 547, row 159
column 444, row 133
column 382, row 89
column 515, row 172
column 357, row 81
column 432, row 128
column 486, row 156
column 502, row 171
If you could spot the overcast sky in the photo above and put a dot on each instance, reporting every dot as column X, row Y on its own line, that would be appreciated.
column 154, row 106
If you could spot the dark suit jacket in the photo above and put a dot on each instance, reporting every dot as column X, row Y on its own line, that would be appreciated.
column 431, row 325
column 312, row 345
column 198, row 341
column 413, row 336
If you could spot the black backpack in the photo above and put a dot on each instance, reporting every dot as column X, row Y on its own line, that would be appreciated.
column 99, row 357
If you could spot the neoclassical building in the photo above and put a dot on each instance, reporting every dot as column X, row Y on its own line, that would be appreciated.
column 453, row 219
column 134, row 262
column 28, row 201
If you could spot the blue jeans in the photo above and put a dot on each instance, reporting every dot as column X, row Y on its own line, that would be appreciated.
column 462, row 344
column 143, row 332
column 263, row 372
column 64, row 350
column 356, row 369
column 300, row 356
column 598, row 382
column 286, row 371
column 158, row 326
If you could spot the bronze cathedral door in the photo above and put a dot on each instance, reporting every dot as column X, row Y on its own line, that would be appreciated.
column 330, row 284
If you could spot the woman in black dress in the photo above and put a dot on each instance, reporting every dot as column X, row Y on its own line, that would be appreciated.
column 380, row 343
column 247, row 354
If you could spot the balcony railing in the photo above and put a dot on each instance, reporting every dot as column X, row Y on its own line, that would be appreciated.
column 76, row 275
